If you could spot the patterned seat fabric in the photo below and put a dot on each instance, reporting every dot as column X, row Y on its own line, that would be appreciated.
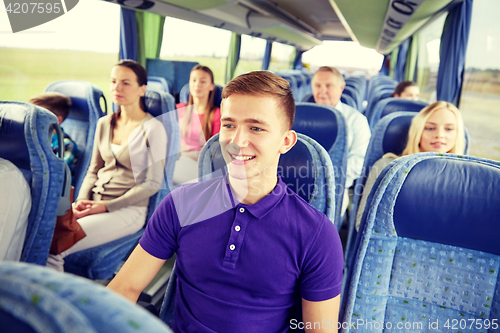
column 428, row 252
column 81, row 122
column 39, row 299
column 326, row 126
column 101, row 261
column 27, row 129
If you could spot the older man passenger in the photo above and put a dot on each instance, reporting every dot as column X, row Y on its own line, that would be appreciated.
column 327, row 85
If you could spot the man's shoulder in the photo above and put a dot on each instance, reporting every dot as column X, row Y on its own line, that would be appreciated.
column 298, row 207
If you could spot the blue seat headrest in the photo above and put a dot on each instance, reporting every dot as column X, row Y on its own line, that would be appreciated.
column 80, row 92
column 317, row 122
column 13, row 145
column 296, row 170
column 396, row 135
column 400, row 104
column 451, row 201
column 153, row 104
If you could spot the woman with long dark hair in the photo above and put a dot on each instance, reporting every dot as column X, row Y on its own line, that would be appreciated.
column 122, row 176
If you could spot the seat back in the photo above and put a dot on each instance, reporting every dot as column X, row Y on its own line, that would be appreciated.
column 184, row 94
column 81, row 122
column 25, row 134
column 293, row 84
column 428, row 249
column 39, row 299
column 348, row 100
column 390, row 105
column 356, row 96
column 101, row 261
column 379, row 94
column 158, row 83
column 326, row 126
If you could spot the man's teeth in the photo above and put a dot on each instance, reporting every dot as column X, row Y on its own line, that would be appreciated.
column 241, row 158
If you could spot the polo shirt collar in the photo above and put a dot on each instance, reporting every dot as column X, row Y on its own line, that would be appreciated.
column 266, row 204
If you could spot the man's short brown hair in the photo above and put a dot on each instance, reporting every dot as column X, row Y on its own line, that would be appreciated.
column 264, row 83
column 57, row 103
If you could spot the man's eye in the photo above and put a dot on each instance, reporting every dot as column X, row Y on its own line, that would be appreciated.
column 429, row 128
column 256, row 129
column 227, row 126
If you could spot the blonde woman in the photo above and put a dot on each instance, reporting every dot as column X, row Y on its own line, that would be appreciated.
column 199, row 120
column 436, row 128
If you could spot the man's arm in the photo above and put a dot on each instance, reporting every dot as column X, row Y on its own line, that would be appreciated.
column 135, row 275
column 324, row 313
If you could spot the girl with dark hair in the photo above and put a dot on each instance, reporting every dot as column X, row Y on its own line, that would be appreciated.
column 407, row 90
column 199, row 120
column 126, row 167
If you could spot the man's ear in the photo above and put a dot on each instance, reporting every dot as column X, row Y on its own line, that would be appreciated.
column 342, row 87
column 288, row 141
column 60, row 119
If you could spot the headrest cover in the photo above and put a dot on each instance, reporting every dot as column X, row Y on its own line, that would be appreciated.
column 152, row 101
column 80, row 92
column 452, row 202
column 317, row 122
column 396, row 135
column 400, row 104
column 13, row 144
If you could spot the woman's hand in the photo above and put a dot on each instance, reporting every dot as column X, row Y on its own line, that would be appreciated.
column 84, row 207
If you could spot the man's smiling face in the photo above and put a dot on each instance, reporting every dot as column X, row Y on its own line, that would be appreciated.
column 252, row 136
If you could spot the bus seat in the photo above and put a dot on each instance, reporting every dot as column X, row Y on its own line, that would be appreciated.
column 352, row 92
column 184, row 94
column 25, row 134
column 158, row 83
column 428, row 247
column 389, row 105
column 326, row 126
column 348, row 100
column 309, row 98
column 81, row 122
column 102, row 261
column 293, row 84
column 379, row 94
column 39, row 299
column 389, row 136
column 302, row 155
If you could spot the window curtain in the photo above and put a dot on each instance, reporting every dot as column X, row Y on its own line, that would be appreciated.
column 453, row 49
column 267, row 56
column 234, row 56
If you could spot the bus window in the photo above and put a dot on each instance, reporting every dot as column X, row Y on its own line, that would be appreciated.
column 481, row 87
column 281, row 57
column 68, row 48
column 251, row 54
column 187, row 41
column 429, row 40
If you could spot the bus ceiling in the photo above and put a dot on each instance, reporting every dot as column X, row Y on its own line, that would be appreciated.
column 378, row 24
column 384, row 24
column 302, row 24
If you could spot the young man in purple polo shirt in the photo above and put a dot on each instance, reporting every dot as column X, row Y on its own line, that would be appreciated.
column 252, row 256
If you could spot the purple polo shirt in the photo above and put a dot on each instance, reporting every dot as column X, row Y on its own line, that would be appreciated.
column 244, row 268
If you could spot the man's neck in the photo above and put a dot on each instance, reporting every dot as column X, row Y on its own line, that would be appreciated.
column 251, row 191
